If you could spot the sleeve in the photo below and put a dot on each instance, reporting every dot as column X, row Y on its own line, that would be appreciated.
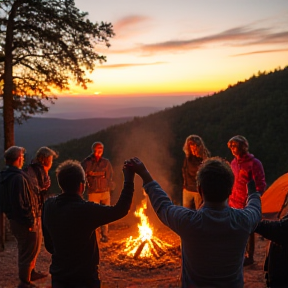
column 21, row 201
column 175, row 217
column 112, row 213
column 110, row 176
column 259, row 176
column 84, row 165
column 47, row 239
column 253, row 210
column 276, row 231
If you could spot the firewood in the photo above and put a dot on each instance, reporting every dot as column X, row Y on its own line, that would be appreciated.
column 139, row 249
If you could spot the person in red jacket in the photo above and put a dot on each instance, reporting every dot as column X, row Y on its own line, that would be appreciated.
column 245, row 168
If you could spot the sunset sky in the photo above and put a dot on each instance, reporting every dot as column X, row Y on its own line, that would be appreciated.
column 186, row 47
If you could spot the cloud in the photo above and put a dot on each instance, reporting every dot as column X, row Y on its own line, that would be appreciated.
column 125, row 65
column 238, row 36
column 260, row 52
column 130, row 25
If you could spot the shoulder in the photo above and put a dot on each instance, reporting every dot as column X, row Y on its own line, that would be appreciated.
column 257, row 163
column 88, row 159
column 105, row 161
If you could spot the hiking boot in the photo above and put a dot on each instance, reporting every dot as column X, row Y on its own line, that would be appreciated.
column 104, row 239
column 36, row 275
column 248, row 261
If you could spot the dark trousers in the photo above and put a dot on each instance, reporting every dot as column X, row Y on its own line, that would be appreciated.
column 29, row 245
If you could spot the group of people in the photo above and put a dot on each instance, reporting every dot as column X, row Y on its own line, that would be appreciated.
column 22, row 195
column 221, row 211
column 245, row 167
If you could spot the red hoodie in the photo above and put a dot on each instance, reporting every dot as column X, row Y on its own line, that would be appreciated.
column 245, row 169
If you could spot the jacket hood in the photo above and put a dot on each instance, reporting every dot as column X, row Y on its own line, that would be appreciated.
column 245, row 158
column 8, row 172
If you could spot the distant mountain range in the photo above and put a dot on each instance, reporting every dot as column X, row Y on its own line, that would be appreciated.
column 83, row 107
column 256, row 108
column 76, row 117
column 37, row 132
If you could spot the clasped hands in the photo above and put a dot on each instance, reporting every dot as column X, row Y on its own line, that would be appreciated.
column 135, row 165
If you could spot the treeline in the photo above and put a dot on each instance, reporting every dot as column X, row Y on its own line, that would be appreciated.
column 256, row 108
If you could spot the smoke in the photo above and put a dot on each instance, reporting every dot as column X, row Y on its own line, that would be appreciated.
column 150, row 142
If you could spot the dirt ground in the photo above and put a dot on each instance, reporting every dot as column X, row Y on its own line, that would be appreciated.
column 120, row 271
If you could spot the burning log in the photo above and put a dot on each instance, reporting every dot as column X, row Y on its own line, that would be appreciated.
column 139, row 249
column 158, row 249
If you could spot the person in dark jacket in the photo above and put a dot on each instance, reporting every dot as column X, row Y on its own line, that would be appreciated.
column 276, row 263
column 21, row 208
column 245, row 168
column 69, row 224
column 38, row 170
column 195, row 151
column 99, row 175
column 39, row 182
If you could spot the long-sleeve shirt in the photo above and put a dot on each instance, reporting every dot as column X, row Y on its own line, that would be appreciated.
column 69, row 224
column 276, row 263
column 213, row 241
column 189, row 171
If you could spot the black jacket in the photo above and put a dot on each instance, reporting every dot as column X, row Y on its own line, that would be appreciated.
column 276, row 263
column 69, row 224
column 20, row 205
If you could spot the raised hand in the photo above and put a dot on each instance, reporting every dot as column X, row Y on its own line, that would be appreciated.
column 140, row 169
column 128, row 171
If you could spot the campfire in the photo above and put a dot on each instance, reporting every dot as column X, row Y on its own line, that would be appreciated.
column 146, row 245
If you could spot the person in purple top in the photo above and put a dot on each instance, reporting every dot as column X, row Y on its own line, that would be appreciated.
column 214, row 237
column 245, row 168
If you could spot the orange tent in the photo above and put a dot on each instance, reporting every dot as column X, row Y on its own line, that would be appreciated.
column 274, row 197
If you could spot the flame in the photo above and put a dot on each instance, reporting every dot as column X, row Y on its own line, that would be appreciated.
column 145, row 245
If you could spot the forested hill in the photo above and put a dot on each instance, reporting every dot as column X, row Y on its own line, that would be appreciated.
column 256, row 108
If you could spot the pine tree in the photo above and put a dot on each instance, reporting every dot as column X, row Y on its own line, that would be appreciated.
column 44, row 45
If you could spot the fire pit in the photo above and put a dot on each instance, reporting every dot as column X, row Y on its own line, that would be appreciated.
column 146, row 249
column 146, row 245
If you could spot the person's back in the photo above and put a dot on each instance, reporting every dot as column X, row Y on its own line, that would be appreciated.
column 69, row 224
column 213, row 243
column 213, row 237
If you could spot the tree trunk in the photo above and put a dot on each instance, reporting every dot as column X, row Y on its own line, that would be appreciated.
column 8, row 111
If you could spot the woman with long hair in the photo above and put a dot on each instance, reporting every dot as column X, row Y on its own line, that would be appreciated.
column 195, row 151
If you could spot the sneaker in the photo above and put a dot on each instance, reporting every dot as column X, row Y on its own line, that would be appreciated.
column 248, row 261
column 37, row 275
column 104, row 239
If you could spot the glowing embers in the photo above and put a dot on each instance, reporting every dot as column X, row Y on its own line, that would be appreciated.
column 146, row 244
